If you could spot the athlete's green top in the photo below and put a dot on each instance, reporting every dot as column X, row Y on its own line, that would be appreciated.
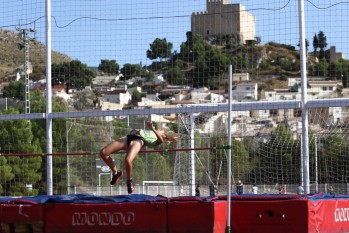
column 150, row 138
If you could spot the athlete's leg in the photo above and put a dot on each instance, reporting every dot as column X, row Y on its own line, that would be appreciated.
column 134, row 148
column 113, row 147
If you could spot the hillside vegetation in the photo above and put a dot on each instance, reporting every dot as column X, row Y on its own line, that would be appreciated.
column 12, row 57
column 198, row 63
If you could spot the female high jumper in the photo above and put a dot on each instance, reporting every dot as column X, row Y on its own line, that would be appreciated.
column 132, row 144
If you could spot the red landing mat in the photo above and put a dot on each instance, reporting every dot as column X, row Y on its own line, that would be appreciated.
column 21, row 217
column 111, row 217
column 188, row 215
column 319, row 213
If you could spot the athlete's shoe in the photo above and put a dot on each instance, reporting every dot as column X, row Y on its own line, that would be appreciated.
column 116, row 177
column 130, row 186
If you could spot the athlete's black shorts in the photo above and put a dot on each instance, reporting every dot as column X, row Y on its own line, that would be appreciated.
column 130, row 138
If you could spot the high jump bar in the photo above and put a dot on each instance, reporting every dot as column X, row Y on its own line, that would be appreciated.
column 225, row 147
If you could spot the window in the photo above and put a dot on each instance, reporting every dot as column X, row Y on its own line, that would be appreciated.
column 330, row 88
column 297, row 112
column 324, row 88
column 273, row 112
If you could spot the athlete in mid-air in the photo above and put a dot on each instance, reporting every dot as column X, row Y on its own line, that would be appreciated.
column 132, row 144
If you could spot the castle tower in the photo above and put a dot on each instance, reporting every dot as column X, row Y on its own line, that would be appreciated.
column 222, row 18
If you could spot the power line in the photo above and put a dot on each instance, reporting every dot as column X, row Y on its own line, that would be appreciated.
column 141, row 18
column 327, row 7
column 169, row 17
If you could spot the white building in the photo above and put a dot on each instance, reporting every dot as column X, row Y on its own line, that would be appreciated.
column 245, row 92
column 133, row 89
column 317, row 87
column 203, row 95
column 117, row 96
column 241, row 77
column 281, row 94
column 321, row 89
column 159, row 78
column 105, row 105
column 59, row 91
column 149, row 103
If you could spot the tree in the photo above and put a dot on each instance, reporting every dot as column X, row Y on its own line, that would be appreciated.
column 306, row 45
column 345, row 79
column 194, row 48
column 17, row 138
column 335, row 69
column 73, row 74
column 131, row 70
column 279, row 156
column 136, row 96
column 83, row 100
column 109, row 66
column 155, row 161
column 322, row 44
column 175, row 76
column 241, row 163
column 38, row 105
column 228, row 40
column 319, row 69
column 217, row 61
column 339, row 70
column 333, row 157
column 239, row 62
column 198, row 74
column 160, row 48
column 14, row 90
column 38, row 72
column 209, row 62
column 315, row 43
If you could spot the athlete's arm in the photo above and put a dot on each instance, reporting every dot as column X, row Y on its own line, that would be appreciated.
column 160, row 134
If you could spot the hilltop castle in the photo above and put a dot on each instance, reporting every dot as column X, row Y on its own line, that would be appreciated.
column 222, row 18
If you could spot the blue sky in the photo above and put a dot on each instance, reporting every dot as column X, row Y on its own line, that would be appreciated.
column 91, row 30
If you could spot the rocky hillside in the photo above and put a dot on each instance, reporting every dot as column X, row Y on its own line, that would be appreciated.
column 12, row 57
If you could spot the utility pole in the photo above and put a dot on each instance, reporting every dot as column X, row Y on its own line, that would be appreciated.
column 24, row 36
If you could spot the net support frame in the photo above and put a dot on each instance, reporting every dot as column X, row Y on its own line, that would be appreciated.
column 195, row 108
column 192, row 156
column 229, row 173
column 49, row 178
column 305, row 140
